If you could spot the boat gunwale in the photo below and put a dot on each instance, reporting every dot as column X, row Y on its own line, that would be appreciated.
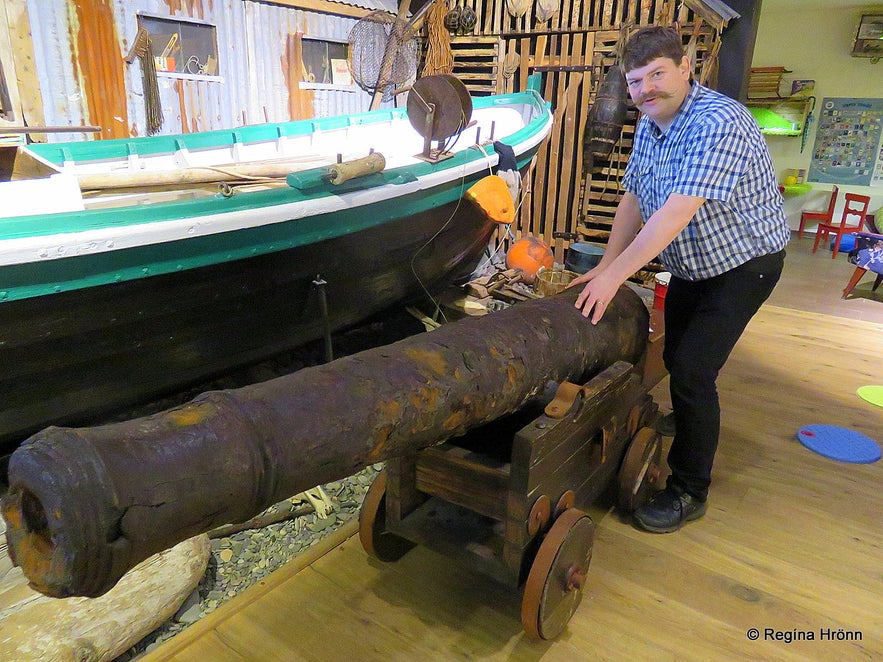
column 24, row 228
column 119, row 148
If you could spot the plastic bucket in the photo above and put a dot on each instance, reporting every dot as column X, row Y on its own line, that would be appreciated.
column 662, row 280
column 581, row 257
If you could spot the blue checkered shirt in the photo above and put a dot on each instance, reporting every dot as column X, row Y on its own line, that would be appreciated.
column 714, row 150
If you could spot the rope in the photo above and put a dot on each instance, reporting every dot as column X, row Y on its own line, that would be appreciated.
column 439, row 58
column 152, row 102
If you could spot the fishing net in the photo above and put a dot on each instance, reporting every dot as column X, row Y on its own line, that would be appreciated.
column 382, row 54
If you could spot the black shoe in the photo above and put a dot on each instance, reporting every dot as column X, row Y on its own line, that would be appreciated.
column 668, row 510
column 666, row 425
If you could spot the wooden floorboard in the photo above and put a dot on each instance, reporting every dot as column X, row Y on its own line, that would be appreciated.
column 792, row 541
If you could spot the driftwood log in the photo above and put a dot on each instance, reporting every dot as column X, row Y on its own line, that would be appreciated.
column 35, row 627
column 85, row 505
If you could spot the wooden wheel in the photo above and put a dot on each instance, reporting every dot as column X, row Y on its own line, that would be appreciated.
column 640, row 469
column 375, row 539
column 554, row 586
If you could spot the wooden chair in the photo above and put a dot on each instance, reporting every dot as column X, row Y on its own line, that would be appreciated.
column 856, row 206
column 826, row 216
column 866, row 256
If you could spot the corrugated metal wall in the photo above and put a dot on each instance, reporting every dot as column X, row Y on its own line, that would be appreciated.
column 251, row 50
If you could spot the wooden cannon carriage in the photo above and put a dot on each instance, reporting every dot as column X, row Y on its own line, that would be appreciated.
column 511, row 497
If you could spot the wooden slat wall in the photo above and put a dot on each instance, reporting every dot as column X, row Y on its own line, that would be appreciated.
column 583, row 34
column 479, row 64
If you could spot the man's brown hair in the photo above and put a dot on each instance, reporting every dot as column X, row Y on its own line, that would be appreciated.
column 652, row 42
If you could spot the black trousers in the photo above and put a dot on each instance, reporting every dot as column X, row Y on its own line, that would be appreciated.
column 703, row 321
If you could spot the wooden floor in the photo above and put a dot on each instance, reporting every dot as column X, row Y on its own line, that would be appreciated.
column 792, row 543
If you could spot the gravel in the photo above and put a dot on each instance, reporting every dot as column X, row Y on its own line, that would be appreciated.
column 244, row 558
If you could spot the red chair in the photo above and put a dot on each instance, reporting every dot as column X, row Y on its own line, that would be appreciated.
column 826, row 216
column 854, row 205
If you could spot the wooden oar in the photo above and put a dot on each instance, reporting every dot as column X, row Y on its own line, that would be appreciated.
column 259, row 170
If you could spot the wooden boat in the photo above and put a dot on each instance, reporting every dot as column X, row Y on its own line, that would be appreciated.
column 113, row 296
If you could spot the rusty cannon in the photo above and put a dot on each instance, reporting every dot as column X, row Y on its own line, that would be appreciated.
column 85, row 505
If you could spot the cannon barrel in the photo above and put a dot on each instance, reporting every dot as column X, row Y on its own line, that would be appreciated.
column 87, row 504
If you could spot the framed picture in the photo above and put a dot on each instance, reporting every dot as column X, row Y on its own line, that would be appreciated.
column 869, row 37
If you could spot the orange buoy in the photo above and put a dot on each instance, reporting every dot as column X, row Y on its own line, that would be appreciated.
column 529, row 255
column 492, row 196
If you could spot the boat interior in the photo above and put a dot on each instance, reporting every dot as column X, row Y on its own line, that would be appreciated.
column 135, row 172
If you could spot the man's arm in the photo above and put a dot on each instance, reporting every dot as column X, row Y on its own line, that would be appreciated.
column 630, row 256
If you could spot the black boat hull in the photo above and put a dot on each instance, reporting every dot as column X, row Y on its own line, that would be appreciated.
column 71, row 357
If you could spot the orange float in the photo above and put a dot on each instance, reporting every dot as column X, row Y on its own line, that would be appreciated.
column 492, row 196
column 529, row 255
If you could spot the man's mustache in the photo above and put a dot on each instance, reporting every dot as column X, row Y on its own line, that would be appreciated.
column 656, row 95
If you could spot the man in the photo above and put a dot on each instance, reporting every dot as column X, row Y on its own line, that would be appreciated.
column 701, row 194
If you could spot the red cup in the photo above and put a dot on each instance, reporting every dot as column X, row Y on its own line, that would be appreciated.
column 662, row 280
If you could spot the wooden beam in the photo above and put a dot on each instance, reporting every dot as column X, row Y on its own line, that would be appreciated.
column 17, row 51
column 325, row 7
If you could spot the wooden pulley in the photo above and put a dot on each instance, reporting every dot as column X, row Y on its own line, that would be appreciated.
column 439, row 106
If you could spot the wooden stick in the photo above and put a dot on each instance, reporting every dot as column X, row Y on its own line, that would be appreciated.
column 50, row 129
column 259, row 522
column 392, row 45
column 194, row 175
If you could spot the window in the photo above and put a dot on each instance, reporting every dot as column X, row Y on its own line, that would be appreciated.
column 182, row 46
column 325, row 62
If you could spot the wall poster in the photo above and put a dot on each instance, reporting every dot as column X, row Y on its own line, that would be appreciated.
column 849, row 143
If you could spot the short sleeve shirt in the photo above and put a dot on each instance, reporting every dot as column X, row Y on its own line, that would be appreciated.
column 713, row 150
